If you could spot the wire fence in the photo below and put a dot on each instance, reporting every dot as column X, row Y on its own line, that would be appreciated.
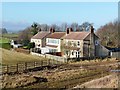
column 21, row 67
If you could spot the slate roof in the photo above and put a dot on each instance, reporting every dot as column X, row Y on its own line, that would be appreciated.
column 40, row 35
column 77, row 35
column 113, row 49
column 56, row 35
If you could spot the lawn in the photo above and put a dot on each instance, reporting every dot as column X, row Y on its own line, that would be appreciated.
column 13, row 57
column 5, row 43
column 4, row 40
column 10, row 36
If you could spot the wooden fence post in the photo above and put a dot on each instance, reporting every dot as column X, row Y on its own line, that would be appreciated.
column 17, row 68
column 52, row 62
column 34, row 64
column 7, row 68
column 48, row 61
column 25, row 65
column 41, row 62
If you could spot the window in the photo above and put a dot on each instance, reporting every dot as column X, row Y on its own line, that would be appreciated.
column 72, row 53
column 96, row 42
column 76, row 53
column 67, row 52
column 78, row 43
column 55, row 41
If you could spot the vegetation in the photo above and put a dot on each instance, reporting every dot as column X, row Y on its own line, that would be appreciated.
column 5, row 43
column 12, row 57
column 31, row 45
column 10, row 35
column 70, row 75
column 109, row 34
column 25, row 35
column 34, row 28
column 4, row 40
column 3, row 30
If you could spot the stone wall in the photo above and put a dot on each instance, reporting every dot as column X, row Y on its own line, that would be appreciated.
column 58, row 58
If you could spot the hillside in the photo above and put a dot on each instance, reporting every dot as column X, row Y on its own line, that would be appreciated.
column 12, row 57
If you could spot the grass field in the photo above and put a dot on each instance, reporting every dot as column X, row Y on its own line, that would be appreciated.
column 12, row 57
column 62, row 76
column 4, row 40
column 5, row 43
column 10, row 36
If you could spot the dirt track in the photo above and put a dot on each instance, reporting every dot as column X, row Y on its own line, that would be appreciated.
column 61, row 76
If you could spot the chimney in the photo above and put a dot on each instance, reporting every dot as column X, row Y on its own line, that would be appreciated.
column 68, row 30
column 71, row 29
column 91, row 29
column 52, row 30
column 92, row 42
column 39, row 30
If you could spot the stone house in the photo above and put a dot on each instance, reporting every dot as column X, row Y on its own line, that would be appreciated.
column 82, row 44
column 70, row 44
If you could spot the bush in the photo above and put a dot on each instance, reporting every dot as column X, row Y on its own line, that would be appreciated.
column 5, row 45
column 31, row 45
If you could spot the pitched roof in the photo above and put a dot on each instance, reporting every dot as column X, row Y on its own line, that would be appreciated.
column 77, row 35
column 40, row 35
column 56, row 35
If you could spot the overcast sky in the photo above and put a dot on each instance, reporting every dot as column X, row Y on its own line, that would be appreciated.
column 19, row 15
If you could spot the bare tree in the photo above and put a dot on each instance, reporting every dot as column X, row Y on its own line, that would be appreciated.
column 109, row 35
column 64, row 26
column 74, row 26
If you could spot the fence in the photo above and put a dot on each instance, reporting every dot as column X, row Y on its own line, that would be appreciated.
column 49, row 56
column 57, row 58
column 38, row 54
column 21, row 67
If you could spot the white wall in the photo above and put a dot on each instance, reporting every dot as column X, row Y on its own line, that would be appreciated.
column 37, row 42
column 52, row 41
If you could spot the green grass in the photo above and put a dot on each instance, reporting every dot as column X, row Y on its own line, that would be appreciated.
column 12, row 57
column 5, row 45
column 10, row 36
column 4, row 40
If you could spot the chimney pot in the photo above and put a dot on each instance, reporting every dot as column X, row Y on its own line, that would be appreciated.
column 52, row 30
column 68, row 30
column 91, row 29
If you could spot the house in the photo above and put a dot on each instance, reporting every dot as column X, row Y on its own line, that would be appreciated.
column 14, row 44
column 114, row 52
column 40, row 41
column 82, row 44
column 54, row 41
column 69, row 44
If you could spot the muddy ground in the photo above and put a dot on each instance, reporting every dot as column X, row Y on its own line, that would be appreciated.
column 67, row 75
